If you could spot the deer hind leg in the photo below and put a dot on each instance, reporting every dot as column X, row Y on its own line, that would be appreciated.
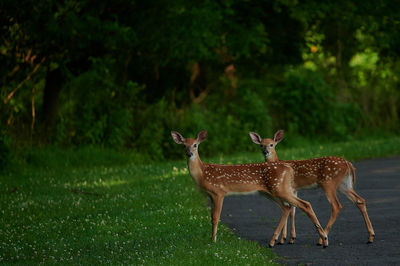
column 306, row 207
column 217, row 201
column 281, row 224
column 293, row 230
column 336, row 208
column 361, row 204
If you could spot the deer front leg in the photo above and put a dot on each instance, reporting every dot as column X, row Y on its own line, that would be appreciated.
column 217, row 201
column 284, row 233
column 281, row 224
column 306, row 207
column 292, row 230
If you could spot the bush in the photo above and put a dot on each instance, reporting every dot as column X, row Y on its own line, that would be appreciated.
column 307, row 105
column 152, row 130
column 244, row 113
column 228, row 125
column 100, row 111
column 5, row 151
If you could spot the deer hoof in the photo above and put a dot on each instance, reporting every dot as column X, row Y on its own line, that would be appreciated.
column 282, row 242
column 371, row 239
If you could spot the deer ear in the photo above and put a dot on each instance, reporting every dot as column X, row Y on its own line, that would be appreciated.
column 178, row 138
column 255, row 137
column 278, row 136
column 202, row 136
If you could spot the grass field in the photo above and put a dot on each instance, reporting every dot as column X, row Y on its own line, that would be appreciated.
column 93, row 206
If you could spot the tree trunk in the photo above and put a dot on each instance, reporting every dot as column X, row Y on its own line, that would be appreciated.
column 54, row 82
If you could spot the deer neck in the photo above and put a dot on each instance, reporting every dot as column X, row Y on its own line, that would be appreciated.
column 195, row 166
column 272, row 158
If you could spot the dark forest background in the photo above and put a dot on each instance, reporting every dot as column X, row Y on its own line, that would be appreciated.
column 123, row 74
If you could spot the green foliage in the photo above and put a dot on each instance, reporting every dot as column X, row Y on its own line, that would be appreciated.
column 228, row 125
column 376, row 85
column 129, row 73
column 244, row 113
column 98, row 110
column 306, row 105
column 153, row 130
column 5, row 151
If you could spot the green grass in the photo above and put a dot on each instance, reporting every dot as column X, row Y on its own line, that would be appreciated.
column 351, row 150
column 72, row 212
column 93, row 206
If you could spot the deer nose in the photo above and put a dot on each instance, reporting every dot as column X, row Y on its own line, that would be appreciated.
column 189, row 153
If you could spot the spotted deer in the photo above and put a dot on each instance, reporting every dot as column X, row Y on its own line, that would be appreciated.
column 329, row 173
column 271, row 179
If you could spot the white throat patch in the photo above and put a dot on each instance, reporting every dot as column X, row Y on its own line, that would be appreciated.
column 193, row 157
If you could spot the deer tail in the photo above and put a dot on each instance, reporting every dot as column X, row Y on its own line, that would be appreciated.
column 352, row 172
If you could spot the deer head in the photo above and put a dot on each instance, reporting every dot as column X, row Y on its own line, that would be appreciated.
column 191, row 145
column 268, row 145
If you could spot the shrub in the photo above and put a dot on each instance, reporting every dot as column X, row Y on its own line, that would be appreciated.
column 5, row 151
column 307, row 105
column 229, row 124
column 152, row 130
column 100, row 111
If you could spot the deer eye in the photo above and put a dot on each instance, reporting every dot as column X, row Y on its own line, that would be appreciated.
column 195, row 145
column 271, row 145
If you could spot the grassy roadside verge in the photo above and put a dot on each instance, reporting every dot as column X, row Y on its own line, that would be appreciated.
column 94, row 213
column 351, row 150
column 94, row 206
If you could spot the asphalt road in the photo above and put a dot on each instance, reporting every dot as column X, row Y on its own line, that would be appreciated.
column 254, row 217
